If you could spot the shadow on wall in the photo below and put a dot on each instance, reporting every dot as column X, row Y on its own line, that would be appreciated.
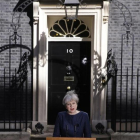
column 98, row 87
column 28, row 9
column 97, row 84
column 40, row 52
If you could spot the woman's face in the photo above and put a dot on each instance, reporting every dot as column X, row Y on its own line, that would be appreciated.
column 71, row 107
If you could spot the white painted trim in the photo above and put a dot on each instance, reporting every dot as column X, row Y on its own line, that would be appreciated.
column 42, row 68
column 35, row 58
column 67, row 39
column 97, row 44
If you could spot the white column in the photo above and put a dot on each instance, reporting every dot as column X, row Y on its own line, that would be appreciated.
column 35, row 57
column 104, row 49
column 42, row 60
column 99, row 95
column 35, row 64
column 39, row 67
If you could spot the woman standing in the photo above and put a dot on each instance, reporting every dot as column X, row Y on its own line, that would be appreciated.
column 72, row 123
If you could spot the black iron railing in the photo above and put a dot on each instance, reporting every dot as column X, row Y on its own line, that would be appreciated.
column 16, row 85
column 124, row 103
column 15, row 102
column 123, row 100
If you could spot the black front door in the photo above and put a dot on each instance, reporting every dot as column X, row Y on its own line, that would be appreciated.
column 68, row 69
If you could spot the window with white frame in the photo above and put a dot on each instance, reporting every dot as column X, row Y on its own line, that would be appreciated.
column 69, row 28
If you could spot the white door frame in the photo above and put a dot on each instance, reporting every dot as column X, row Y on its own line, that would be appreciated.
column 99, row 38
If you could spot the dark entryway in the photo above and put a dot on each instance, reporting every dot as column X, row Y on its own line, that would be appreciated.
column 64, row 56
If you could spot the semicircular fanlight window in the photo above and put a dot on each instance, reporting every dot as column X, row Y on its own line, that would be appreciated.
column 69, row 28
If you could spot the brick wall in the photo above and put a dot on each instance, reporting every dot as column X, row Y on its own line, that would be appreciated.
column 6, row 11
column 116, row 29
column 11, row 93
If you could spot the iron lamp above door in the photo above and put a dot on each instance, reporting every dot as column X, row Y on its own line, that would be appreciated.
column 71, row 9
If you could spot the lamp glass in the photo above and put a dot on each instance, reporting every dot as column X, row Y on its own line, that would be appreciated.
column 71, row 8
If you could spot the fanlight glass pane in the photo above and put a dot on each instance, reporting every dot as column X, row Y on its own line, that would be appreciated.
column 57, row 28
column 69, row 28
column 69, row 25
column 69, row 35
column 55, row 34
column 81, row 28
column 62, row 23
column 84, row 34
column 76, row 23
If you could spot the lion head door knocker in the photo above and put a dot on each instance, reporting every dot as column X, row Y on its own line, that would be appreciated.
column 100, row 128
column 68, row 70
column 40, row 127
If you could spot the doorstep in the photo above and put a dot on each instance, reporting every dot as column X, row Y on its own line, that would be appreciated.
column 34, row 134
